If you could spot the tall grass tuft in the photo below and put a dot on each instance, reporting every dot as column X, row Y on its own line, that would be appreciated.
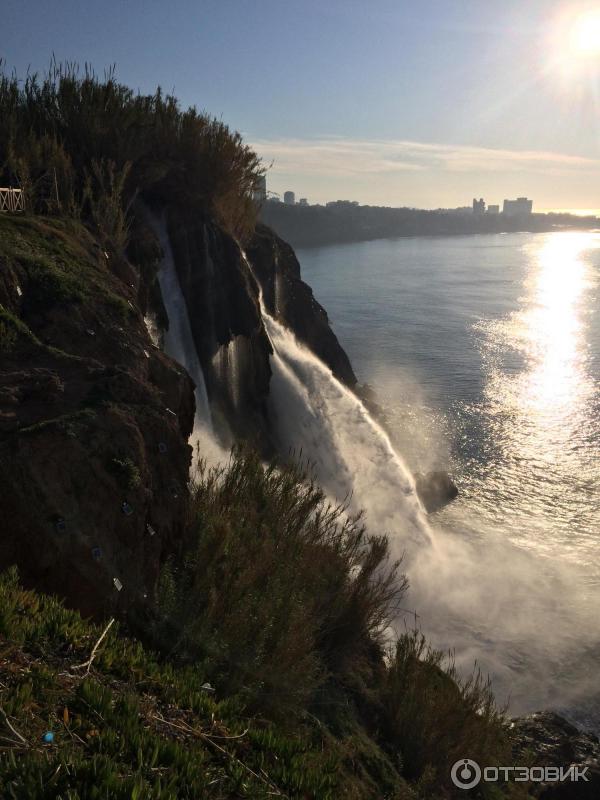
column 278, row 591
column 432, row 717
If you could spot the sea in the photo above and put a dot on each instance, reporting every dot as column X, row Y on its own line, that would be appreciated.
column 484, row 354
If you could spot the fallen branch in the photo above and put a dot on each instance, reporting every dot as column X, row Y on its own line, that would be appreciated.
column 90, row 660
column 14, row 730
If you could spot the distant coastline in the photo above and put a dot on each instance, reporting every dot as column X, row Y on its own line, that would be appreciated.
column 316, row 225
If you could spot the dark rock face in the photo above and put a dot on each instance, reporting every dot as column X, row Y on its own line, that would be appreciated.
column 435, row 489
column 291, row 301
column 554, row 742
column 222, row 299
column 83, row 407
column 222, row 295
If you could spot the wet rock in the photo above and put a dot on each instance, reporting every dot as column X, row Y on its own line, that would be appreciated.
column 290, row 300
column 554, row 742
column 435, row 489
column 226, row 323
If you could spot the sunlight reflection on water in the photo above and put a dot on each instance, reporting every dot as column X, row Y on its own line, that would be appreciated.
column 485, row 353
column 540, row 400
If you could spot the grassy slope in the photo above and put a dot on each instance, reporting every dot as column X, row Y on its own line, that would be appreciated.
column 133, row 728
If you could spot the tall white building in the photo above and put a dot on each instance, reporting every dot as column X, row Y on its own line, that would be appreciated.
column 521, row 207
column 289, row 198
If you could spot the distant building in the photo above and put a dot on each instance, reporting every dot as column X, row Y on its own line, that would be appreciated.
column 493, row 209
column 303, row 201
column 289, row 198
column 260, row 189
column 341, row 204
column 478, row 206
column 521, row 207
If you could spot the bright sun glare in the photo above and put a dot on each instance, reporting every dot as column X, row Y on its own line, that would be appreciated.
column 585, row 34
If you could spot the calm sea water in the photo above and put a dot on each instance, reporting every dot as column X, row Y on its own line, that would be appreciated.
column 485, row 352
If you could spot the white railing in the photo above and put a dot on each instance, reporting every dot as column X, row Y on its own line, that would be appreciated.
column 11, row 200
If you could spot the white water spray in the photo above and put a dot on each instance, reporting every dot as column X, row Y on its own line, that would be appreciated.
column 313, row 412
column 179, row 344
column 352, row 455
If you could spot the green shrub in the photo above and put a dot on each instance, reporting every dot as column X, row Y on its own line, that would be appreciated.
column 432, row 718
column 278, row 591
column 126, row 472
column 84, row 147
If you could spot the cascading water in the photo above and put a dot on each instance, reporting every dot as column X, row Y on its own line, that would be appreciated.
column 178, row 340
column 354, row 460
column 179, row 344
column 351, row 454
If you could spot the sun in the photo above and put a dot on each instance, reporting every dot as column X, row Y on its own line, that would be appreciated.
column 585, row 34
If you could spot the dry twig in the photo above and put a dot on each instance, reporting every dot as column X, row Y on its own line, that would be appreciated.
column 208, row 739
column 90, row 660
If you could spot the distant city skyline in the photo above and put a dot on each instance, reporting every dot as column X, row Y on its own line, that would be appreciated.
column 393, row 103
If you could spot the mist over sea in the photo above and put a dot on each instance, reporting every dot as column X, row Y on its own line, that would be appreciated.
column 485, row 353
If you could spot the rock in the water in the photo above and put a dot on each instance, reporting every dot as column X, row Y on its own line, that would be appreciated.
column 554, row 742
column 435, row 489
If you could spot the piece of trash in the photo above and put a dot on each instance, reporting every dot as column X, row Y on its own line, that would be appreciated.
column 96, row 553
column 168, row 410
column 60, row 524
column 130, row 304
column 118, row 584
column 106, row 255
column 90, row 332
column 48, row 737
column 127, row 509
column 66, row 715
column 146, row 353
column 150, row 529
column 206, row 687
column 162, row 447
column 19, row 291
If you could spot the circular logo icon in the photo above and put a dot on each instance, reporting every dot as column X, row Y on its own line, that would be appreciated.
column 466, row 773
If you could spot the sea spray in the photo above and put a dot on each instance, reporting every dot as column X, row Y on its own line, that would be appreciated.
column 520, row 619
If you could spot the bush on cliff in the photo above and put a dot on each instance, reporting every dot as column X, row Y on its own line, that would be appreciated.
column 278, row 591
column 81, row 146
column 284, row 601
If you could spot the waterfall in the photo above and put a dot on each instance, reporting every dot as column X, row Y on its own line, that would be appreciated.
column 314, row 413
column 178, row 340
column 352, row 456
column 178, row 343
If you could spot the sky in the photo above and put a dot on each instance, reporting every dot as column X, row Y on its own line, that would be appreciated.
column 424, row 103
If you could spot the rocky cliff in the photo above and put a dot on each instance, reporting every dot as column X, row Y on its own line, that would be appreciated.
column 221, row 284
column 94, row 418
column 94, row 422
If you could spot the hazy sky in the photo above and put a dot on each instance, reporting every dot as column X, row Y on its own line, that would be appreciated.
column 423, row 103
